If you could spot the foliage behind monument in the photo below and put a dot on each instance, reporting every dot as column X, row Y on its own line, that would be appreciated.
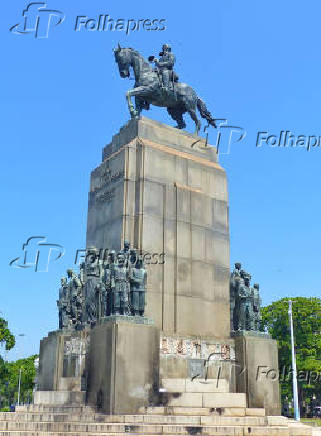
column 9, row 380
column 307, row 328
column 6, row 337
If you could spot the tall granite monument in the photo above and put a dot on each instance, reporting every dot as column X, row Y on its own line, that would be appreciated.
column 154, row 317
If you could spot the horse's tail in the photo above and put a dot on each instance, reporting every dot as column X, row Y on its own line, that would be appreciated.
column 205, row 113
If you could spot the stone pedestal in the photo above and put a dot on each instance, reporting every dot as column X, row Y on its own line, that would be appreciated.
column 163, row 190
column 62, row 376
column 257, row 371
column 123, row 367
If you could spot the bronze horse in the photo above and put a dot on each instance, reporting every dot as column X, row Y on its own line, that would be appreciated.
column 148, row 90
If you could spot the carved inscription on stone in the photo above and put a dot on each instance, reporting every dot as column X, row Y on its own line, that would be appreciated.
column 105, row 195
column 195, row 349
column 110, row 177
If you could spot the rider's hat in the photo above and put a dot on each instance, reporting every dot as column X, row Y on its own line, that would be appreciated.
column 166, row 47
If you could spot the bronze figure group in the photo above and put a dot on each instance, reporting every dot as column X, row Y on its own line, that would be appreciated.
column 112, row 285
column 245, row 301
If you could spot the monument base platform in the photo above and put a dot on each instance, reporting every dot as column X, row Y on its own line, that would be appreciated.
column 122, row 365
column 73, row 421
column 258, row 372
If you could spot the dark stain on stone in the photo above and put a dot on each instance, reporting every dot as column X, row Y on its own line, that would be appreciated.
column 153, row 395
column 131, row 428
column 100, row 400
column 164, row 397
column 194, row 430
column 217, row 410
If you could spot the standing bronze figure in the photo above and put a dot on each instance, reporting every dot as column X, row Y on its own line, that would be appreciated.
column 245, row 302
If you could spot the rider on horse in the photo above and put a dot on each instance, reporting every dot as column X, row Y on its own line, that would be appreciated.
column 150, row 87
column 164, row 66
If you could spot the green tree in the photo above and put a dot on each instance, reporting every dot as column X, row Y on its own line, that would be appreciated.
column 307, row 331
column 9, row 380
column 6, row 337
column 8, row 341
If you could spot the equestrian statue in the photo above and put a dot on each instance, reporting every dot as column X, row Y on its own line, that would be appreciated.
column 157, row 83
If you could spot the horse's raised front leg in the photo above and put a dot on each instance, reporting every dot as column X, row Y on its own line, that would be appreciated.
column 132, row 111
column 140, row 91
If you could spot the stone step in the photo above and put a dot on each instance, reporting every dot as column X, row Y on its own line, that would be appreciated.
column 197, row 385
column 218, row 431
column 299, row 429
column 170, row 410
column 139, row 428
column 161, row 410
column 72, row 408
column 141, row 419
column 198, row 399
column 152, row 419
column 202, row 411
column 223, row 432
column 157, row 424
column 18, row 433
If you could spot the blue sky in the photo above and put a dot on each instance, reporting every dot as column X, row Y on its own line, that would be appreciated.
column 255, row 63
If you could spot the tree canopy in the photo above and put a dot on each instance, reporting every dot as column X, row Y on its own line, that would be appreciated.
column 9, row 380
column 9, row 371
column 307, row 333
column 6, row 337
